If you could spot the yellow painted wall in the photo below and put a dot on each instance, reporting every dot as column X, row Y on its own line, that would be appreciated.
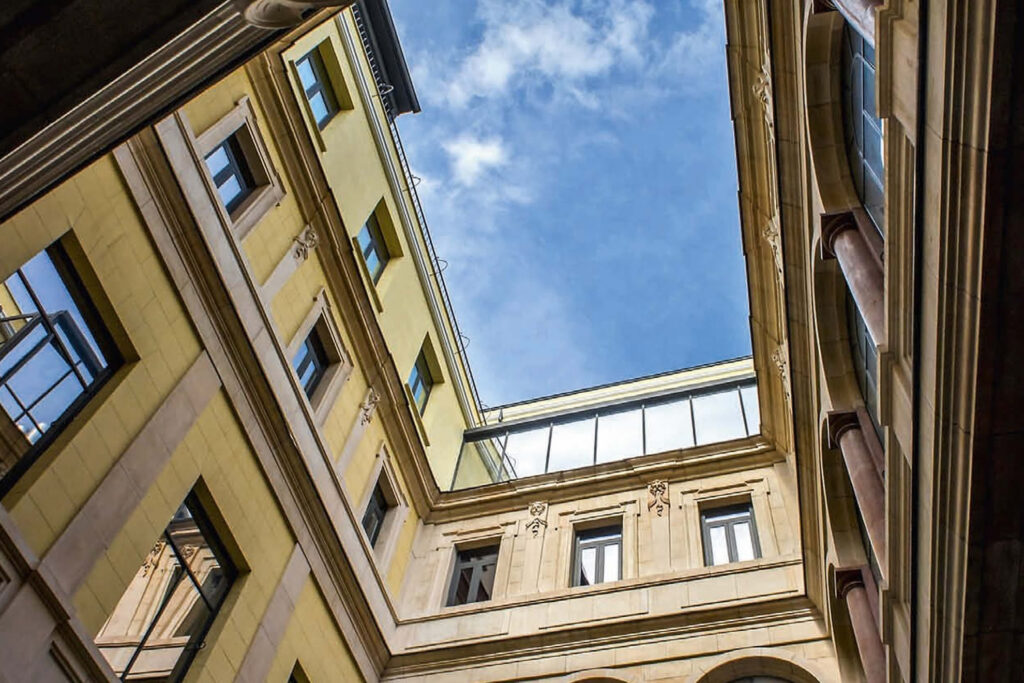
column 96, row 207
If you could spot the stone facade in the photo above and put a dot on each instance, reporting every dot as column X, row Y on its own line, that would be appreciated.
column 207, row 511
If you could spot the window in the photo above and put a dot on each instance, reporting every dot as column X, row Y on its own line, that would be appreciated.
column 473, row 578
column 55, row 354
column 729, row 535
column 373, row 247
column 598, row 556
column 421, row 382
column 376, row 511
column 317, row 86
column 862, row 129
column 230, row 171
column 163, row 617
column 865, row 362
column 311, row 363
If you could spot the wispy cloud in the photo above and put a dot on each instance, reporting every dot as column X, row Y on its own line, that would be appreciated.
column 471, row 157
column 562, row 240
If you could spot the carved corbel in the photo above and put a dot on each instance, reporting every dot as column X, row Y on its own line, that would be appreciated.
column 537, row 521
column 276, row 14
column 773, row 235
column 781, row 366
column 763, row 91
column 305, row 242
column 657, row 496
column 368, row 406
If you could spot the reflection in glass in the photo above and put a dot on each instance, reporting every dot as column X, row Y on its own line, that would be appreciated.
column 163, row 616
column 597, row 555
column 729, row 535
column 668, row 426
column 718, row 417
column 53, row 351
column 751, row 409
column 744, row 544
column 473, row 577
column 528, row 451
column 572, row 445
column 620, row 435
column 719, row 546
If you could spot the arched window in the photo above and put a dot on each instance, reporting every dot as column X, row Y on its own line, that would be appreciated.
column 862, row 129
column 864, row 356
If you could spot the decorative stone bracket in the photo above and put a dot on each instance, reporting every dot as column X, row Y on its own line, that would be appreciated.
column 306, row 241
column 537, row 521
column 275, row 14
column 657, row 496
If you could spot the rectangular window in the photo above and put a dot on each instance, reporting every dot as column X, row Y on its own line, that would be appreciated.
column 163, row 617
column 374, row 248
column 598, row 556
column 421, row 382
column 729, row 535
column 376, row 511
column 230, row 172
column 473, row 578
column 311, row 363
column 317, row 86
column 55, row 353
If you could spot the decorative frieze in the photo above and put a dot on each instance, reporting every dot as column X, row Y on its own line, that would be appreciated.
column 773, row 236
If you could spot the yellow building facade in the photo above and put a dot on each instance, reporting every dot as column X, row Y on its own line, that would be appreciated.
column 240, row 439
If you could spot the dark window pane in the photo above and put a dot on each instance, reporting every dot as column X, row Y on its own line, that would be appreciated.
column 420, row 383
column 373, row 518
column 310, row 363
column 862, row 129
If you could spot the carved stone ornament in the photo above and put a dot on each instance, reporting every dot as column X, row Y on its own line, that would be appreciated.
column 537, row 521
column 273, row 14
column 773, row 236
column 152, row 558
column 763, row 91
column 657, row 496
column 306, row 241
column 779, row 358
column 368, row 407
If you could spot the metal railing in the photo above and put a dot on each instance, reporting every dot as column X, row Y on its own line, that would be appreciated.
column 384, row 88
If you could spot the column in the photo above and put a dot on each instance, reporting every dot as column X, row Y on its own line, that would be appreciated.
column 841, row 237
column 844, row 432
column 850, row 589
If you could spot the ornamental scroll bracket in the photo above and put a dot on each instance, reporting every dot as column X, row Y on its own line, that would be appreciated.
column 657, row 496
column 305, row 242
column 537, row 521
column 763, row 91
column 773, row 235
column 368, row 406
column 781, row 366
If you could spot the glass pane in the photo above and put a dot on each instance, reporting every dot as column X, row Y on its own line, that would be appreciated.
column 611, row 562
column 486, row 582
column 619, row 436
column 481, row 463
column 306, row 75
column 527, row 451
column 744, row 543
column 572, row 445
column 668, row 426
column 373, row 264
column 719, row 546
column 229, row 190
column 462, row 586
column 588, row 566
column 717, row 417
column 217, row 161
column 751, row 409
column 319, row 107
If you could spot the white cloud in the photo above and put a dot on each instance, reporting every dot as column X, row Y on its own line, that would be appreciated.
column 470, row 157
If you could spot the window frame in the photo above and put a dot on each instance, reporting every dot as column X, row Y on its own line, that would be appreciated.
column 864, row 360
column 320, row 320
column 581, row 542
column 746, row 508
column 230, row 571
column 421, row 375
column 476, row 566
column 237, row 167
column 854, row 66
column 101, row 332
column 321, row 85
column 268, row 190
column 377, row 501
column 316, row 354
column 377, row 244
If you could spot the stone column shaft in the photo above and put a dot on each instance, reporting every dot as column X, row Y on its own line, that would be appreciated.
column 841, row 237
column 844, row 430
column 850, row 588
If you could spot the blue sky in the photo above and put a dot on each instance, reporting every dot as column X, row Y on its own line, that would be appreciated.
column 579, row 177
